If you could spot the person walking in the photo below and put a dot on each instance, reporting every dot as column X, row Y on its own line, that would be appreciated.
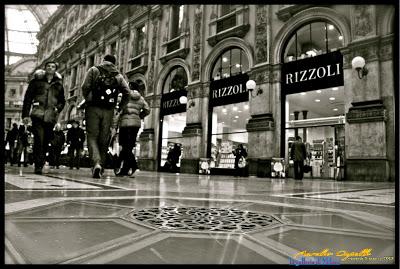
column 240, row 164
column 75, row 140
column 100, row 89
column 22, row 146
column 57, row 146
column 298, row 155
column 133, row 109
column 45, row 95
column 11, row 140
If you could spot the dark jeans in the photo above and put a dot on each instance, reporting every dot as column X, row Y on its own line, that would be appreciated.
column 11, row 153
column 21, row 149
column 74, row 158
column 298, row 169
column 127, row 139
column 42, row 133
column 55, row 154
column 98, row 123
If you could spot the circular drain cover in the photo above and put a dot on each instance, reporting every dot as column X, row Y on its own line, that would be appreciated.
column 210, row 219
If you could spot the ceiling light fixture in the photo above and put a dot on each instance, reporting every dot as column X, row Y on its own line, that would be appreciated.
column 317, row 100
column 331, row 98
column 319, row 91
column 303, row 93
column 224, row 59
column 331, row 27
column 335, row 88
column 335, row 109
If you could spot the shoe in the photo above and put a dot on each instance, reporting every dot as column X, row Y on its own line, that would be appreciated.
column 38, row 170
column 97, row 171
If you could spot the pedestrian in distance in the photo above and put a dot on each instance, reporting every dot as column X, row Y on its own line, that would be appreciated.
column 45, row 96
column 22, row 146
column 57, row 146
column 11, row 142
column 75, row 140
column 240, row 154
column 298, row 155
column 134, row 109
column 100, row 89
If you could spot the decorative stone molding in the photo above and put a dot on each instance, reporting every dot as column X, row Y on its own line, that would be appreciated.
column 195, row 91
column 197, row 37
column 386, row 48
column 261, row 35
column 369, row 49
column 147, row 135
column 368, row 111
column 263, row 122
column 192, row 129
column 152, row 55
column 285, row 12
column 180, row 53
column 238, row 31
column 363, row 21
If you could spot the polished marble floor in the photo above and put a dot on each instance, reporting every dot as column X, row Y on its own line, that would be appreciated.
column 66, row 217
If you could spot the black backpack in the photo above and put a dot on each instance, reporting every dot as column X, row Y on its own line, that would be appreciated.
column 105, row 92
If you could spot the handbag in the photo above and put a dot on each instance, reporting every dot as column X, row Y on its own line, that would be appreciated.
column 242, row 162
column 8, row 146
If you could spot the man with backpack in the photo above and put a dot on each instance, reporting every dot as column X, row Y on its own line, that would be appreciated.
column 100, row 89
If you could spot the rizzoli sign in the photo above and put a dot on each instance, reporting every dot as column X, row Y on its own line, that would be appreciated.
column 229, row 90
column 170, row 102
column 318, row 72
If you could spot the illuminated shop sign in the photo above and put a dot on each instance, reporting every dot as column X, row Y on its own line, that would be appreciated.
column 229, row 90
column 170, row 103
column 319, row 72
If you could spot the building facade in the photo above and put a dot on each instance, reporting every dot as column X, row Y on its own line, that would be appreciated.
column 194, row 61
column 15, row 85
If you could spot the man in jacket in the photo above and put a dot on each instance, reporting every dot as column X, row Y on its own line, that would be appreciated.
column 22, row 146
column 298, row 155
column 100, row 89
column 45, row 95
column 75, row 140
column 134, row 108
column 239, row 152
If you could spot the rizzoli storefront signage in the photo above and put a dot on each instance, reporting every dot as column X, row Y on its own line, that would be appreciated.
column 313, row 73
column 170, row 103
column 229, row 90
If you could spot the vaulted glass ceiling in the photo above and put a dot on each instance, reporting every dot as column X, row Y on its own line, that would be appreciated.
column 22, row 23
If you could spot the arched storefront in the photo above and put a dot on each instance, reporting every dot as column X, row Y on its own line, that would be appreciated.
column 313, row 97
column 228, row 109
column 172, row 115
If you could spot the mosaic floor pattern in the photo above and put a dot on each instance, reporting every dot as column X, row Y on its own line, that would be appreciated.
column 157, row 219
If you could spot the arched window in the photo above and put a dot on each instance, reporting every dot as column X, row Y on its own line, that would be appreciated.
column 231, row 62
column 314, row 38
column 176, row 80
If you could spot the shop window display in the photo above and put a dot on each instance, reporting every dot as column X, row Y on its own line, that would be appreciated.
column 172, row 128
column 322, row 129
column 228, row 131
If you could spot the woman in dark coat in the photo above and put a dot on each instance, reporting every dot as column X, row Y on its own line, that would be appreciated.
column 57, row 145
column 239, row 152
column 22, row 146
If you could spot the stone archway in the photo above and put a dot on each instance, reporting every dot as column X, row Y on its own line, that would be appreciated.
column 302, row 18
column 167, row 68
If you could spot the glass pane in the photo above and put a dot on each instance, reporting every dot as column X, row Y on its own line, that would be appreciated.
column 173, row 126
column 176, row 80
column 318, row 104
column 226, row 64
column 335, row 38
column 316, row 45
column 236, row 66
column 228, row 131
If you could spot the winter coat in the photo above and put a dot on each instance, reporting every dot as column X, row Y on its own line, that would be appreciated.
column 76, row 137
column 46, row 98
column 91, row 77
column 298, row 151
column 133, row 108
column 58, row 139
column 12, row 135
